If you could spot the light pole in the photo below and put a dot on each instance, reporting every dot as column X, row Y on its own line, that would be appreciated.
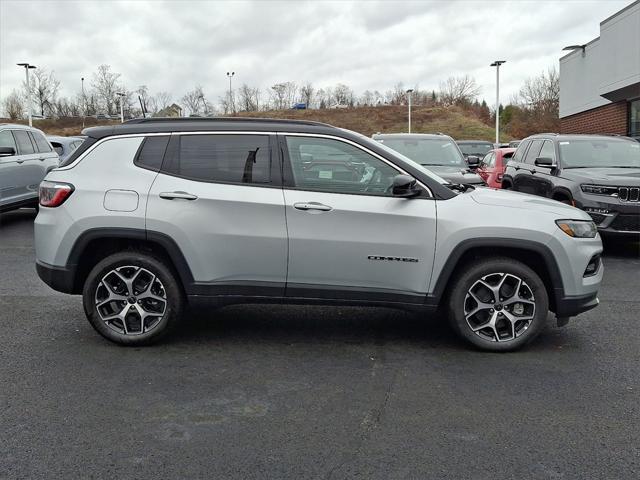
column 121, row 95
column 231, row 105
column 497, row 64
column 409, row 92
column 28, row 67
column 84, row 103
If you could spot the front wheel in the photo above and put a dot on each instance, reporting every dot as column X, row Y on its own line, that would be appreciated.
column 132, row 298
column 498, row 304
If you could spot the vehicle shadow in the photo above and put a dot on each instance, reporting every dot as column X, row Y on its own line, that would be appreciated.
column 11, row 218
column 621, row 247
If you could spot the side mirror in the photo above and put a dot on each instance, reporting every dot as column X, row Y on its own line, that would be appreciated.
column 405, row 186
column 544, row 162
column 7, row 151
column 473, row 161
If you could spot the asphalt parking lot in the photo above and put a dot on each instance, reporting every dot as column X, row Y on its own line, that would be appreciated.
column 309, row 392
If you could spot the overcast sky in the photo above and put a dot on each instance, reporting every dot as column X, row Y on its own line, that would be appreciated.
column 174, row 45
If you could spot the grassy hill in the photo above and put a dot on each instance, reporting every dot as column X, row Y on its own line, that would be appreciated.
column 366, row 120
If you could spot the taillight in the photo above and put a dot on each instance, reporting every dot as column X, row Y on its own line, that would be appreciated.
column 53, row 194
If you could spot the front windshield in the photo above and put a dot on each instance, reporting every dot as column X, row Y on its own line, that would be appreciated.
column 478, row 149
column 586, row 153
column 427, row 151
column 414, row 164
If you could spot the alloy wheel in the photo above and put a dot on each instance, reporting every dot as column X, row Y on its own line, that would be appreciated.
column 499, row 307
column 131, row 300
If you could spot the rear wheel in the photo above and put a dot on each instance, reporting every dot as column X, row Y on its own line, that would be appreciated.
column 498, row 304
column 132, row 298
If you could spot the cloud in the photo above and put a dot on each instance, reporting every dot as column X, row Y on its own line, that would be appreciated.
column 174, row 45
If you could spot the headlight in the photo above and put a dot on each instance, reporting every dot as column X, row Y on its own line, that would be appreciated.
column 578, row 228
column 599, row 189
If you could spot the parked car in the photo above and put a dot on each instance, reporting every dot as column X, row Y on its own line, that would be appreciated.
column 437, row 152
column 493, row 164
column 64, row 146
column 514, row 143
column 475, row 148
column 25, row 158
column 147, row 217
column 299, row 106
column 597, row 173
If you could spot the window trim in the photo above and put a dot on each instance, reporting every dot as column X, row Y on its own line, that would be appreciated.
column 533, row 162
column 275, row 159
column 287, row 172
column 34, row 137
column 15, row 145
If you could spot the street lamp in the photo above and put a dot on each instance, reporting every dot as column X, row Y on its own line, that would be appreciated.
column 497, row 64
column 230, row 75
column 84, row 103
column 121, row 95
column 28, row 67
column 409, row 92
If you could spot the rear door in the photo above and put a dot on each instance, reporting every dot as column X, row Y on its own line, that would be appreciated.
column 349, row 238
column 524, row 181
column 28, row 165
column 219, row 197
column 543, row 177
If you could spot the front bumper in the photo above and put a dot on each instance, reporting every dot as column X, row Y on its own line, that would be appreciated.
column 570, row 306
column 613, row 217
column 60, row 279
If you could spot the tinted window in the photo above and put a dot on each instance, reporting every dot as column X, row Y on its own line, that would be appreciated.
column 41, row 142
column 223, row 158
column 479, row 149
column 599, row 152
column 151, row 152
column 548, row 151
column 6, row 139
column 522, row 148
column 24, row 143
column 58, row 148
column 534, row 151
column 489, row 160
column 328, row 165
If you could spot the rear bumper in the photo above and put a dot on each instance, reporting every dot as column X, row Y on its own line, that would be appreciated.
column 58, row 278
column 569, row 306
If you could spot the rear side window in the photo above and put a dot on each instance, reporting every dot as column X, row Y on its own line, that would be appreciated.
column 522, row 148
column 534, row 151
column 222, row 158
column 25, row 146
column 58, row 148
column 151, row 152
column 6, row 140
column 41, row 142
column 548, row 151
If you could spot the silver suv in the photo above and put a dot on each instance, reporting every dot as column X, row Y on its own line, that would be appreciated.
column 147, row 217
column 25, row 158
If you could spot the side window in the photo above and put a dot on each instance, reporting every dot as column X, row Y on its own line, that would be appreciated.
column 25, row 146
column 534, row 151
column 522, row 148
column 41, row 143
column 327, row 165
column 548, row 151
column 222, row 158
column 151, row 152
column 58, row 148
column 6, row 140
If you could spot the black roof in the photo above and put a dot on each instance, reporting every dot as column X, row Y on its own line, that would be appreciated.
column 474, row 141
column 196, row 124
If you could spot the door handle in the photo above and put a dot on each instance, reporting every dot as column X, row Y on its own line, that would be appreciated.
column 19, row 161
column 42, row 159
column 178, row 195
column 312, row 206
column 533, row 171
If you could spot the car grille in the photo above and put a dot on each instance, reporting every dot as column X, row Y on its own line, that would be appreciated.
column 629, row 194
column 626, row 223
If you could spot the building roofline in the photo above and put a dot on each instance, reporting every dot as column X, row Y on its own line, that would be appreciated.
column 628, row 7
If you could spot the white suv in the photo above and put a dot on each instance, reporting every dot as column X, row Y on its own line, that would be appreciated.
column 149, row 216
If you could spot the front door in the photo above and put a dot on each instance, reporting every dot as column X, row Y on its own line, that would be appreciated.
column 219, row 197
column 349, row 238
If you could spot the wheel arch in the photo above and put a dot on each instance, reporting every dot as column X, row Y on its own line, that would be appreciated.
column 95, row 244
column 535, row 255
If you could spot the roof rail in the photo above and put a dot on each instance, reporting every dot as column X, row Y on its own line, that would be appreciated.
column 547, row 133
column 221, row 119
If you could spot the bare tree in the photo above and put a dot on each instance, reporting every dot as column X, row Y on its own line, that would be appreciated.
column 541, row 93
column 44, row 87
column 105, row 84
column 343, row 95
column 458, row 90
column 249, row 98
column 163, row 100
column 195, row 101
column 13, row 106
column 306, row 94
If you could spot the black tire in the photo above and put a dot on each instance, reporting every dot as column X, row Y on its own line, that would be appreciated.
column 461, row 303
column 166, row 283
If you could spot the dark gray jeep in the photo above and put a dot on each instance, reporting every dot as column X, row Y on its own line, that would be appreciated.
column 599, row 174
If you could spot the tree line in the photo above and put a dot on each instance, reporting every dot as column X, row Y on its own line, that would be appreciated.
column 533, row 108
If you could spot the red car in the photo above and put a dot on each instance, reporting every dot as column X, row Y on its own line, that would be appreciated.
column 493, row 164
